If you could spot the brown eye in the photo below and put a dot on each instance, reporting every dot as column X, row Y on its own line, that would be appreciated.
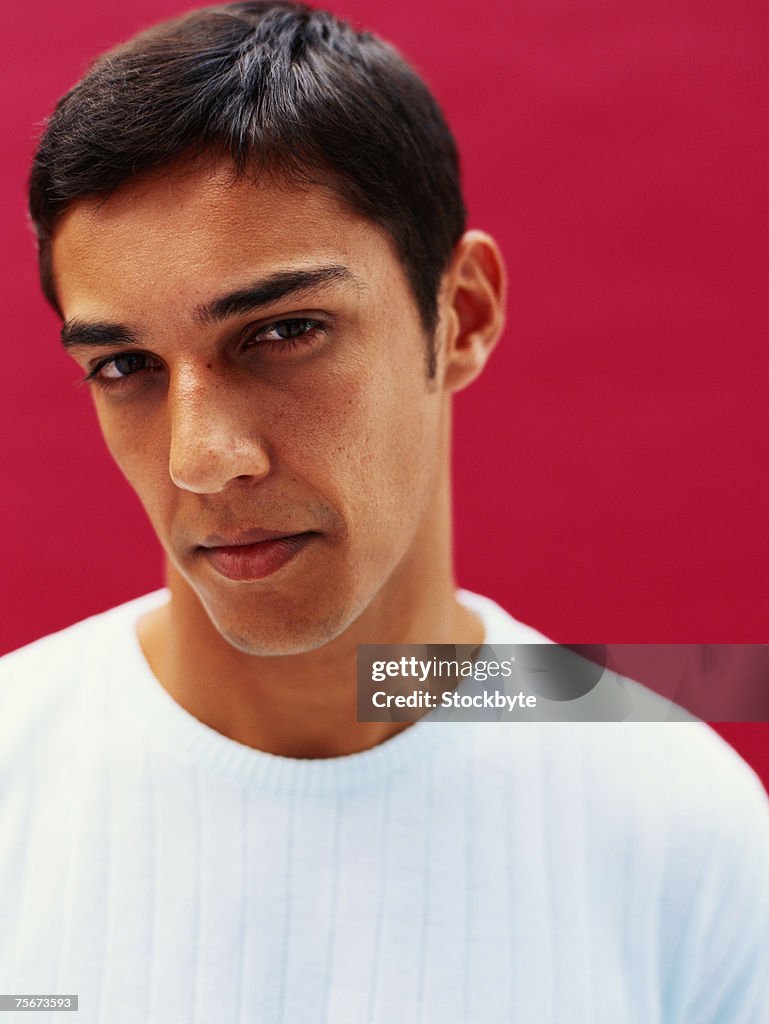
column 124, row 366
column 120, row 368
column 292, row 329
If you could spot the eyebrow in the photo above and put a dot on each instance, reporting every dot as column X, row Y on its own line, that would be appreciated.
column 250, row 299
column 270, row 289
column 78, row 332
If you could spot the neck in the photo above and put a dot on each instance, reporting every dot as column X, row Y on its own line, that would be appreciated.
column 304, row 705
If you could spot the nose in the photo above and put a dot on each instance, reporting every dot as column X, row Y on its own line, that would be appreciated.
column 214, row 436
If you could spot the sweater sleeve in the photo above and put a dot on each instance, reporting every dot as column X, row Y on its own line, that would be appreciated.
column 723, row 968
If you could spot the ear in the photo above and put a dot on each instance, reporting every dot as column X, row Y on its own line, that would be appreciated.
column 472, row 308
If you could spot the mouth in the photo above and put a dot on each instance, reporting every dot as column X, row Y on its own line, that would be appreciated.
column 254, row 554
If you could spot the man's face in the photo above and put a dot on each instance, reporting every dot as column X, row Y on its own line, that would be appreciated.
column 258, row 368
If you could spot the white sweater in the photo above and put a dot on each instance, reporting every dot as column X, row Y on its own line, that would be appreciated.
column 536, row 873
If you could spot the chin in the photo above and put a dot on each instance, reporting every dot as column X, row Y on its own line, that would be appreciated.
column 262, row 635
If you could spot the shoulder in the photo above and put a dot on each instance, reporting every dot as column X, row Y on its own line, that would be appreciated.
column 46, row 683
column 682, row 772
column 677, row 784
column 71, row 645
column 500, row 626
column 662, row 819
column 675, row 790
column 690, row 818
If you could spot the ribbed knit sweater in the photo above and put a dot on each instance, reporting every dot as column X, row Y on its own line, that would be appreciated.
column 531, row 873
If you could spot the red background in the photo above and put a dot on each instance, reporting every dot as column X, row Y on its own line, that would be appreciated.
column 611, row 479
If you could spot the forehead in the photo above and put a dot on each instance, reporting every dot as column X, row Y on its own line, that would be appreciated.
column 174, row 235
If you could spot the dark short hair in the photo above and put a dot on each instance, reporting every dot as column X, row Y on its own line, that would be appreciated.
column 280, row 88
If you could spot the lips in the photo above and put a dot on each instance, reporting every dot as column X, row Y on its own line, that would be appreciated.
column 253, row 554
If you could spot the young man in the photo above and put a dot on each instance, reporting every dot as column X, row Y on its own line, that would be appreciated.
column 250, row 222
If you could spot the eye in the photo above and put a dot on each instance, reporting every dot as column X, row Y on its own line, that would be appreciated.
column 284, row 334
column 115, row 369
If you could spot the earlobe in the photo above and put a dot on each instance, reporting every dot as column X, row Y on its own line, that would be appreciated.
column 473, row 301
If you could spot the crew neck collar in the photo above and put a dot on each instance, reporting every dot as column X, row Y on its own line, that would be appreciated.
column 184, row 736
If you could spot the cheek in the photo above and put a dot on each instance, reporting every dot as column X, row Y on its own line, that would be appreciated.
column 368, row 440
column 140, row 451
